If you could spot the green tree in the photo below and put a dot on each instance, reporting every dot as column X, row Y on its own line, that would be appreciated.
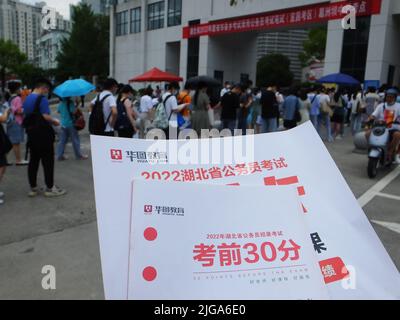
column 86, row 51
column 11, row 58
column 274, row 69
column 315, row 45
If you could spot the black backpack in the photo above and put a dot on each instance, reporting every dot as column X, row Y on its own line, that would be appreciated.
column 97, row 124
column 39, row 131
column 123, row 121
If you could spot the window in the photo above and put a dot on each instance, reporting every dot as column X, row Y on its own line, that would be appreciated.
column 193, row 54
column 244, row 78
column 219, row 75
column 122, row 23
column 136, row 20
column 174, row 12
column 156, row 16
column 355, row 49
column 391, row 73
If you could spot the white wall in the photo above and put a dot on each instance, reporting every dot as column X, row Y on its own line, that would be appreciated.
column 137, row 53
column 334, row 44
column 384, row 46
column 233, row 54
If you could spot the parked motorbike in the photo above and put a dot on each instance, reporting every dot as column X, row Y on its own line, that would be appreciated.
column 378, row 146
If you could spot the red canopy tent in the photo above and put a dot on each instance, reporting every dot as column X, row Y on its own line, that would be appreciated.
column 156, row 75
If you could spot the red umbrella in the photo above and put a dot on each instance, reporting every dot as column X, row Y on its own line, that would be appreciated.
column 156, row 75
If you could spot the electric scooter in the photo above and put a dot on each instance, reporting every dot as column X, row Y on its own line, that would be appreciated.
column 378, row 147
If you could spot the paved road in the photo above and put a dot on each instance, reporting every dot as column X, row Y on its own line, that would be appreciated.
column 63, row 232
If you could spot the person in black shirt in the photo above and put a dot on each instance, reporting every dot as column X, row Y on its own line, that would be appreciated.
column 270, row 110
column 230, row 103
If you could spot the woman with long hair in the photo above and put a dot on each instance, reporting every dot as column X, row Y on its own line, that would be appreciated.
column 339, row 114
column 126, row 119
column 357, row 110
column 201, row 105
column 305, row 106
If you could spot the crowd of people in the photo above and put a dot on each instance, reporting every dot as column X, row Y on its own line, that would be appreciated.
column 118, row 109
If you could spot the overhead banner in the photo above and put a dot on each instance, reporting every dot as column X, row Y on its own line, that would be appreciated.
column 317, row 13
column 207, row 242
column 352, row 259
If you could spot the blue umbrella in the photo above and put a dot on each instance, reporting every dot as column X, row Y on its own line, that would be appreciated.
column 74, row 88
column 339, row 78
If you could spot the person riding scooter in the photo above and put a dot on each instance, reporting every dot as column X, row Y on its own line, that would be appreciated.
column 389, row 112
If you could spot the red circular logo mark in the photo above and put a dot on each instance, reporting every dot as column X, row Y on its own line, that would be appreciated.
column 149, row 274
column 150, row 234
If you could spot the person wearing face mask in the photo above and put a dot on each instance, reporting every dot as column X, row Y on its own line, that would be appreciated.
column 389, row 112
column 227, row 88
column 246, row 101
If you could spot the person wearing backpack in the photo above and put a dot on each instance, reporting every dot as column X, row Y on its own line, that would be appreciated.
column 15, row 131
column 38, row 125
column 103, row 110
column 185, row 97
column 126, row 119
column 67, row 109
column 167, row 111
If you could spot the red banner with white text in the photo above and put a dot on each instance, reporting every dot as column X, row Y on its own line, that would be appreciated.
column 283, row 18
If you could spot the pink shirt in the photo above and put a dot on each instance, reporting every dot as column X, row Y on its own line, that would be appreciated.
column 17, row 110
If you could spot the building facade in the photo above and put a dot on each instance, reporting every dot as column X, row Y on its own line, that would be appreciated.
column 49, row 44
column 98, row 6
column 22, row 24
column 190, row 37
column 286, row 42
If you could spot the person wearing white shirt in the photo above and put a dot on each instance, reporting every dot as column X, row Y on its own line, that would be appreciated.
column 171, row 106
column 389, row 112
column 356, row 111
column 227, row 88
column 146, row 106
column 110, row 88
column 325, row 117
